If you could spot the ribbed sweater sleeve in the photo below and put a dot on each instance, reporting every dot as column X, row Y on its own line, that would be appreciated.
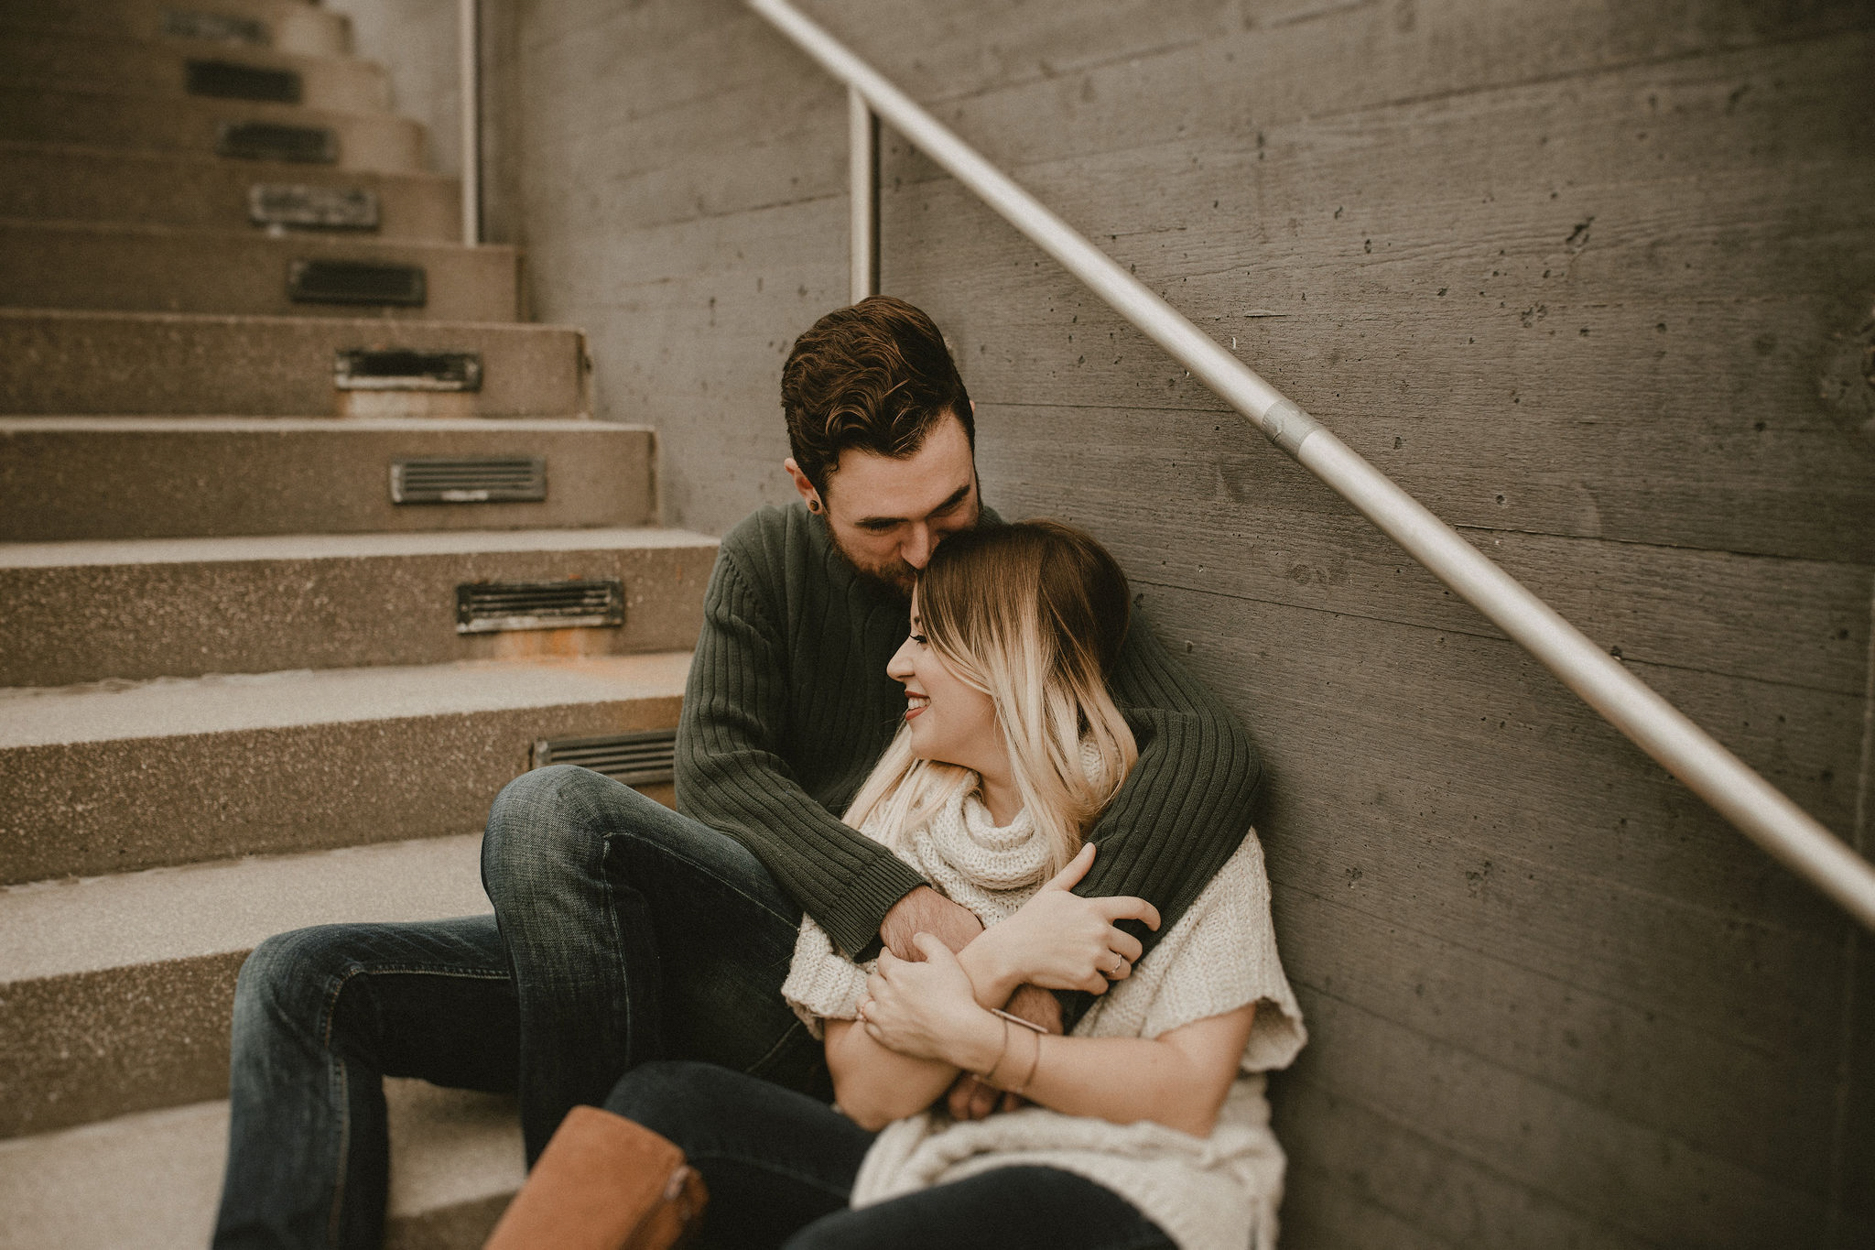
column 1185, row 807
column 733, row 770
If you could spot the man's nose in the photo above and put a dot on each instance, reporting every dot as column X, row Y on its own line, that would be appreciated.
column 916, row 549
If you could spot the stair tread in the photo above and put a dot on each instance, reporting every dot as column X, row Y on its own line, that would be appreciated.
column 247, row 235
column 153, row 1179
column 300, row 114
column 294, row 425
column 338, row 546
column 166, row 707
column 261, row 171
column 376, row 326
column 71, row 926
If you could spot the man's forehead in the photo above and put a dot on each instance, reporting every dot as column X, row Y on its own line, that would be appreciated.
column 871, row 488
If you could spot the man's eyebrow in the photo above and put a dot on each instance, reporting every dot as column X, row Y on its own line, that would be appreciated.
column 956, row 497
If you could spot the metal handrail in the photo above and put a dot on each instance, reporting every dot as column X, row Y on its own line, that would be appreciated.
column 469, row 76
column 1759, row 809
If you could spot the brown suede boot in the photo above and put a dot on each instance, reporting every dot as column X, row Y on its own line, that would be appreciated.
column 604, row 1183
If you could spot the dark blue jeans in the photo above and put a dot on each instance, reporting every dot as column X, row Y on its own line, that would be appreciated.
column 780, row 1167
column 623, row 932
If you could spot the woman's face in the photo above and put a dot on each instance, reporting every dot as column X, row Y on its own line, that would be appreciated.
column 950, row 721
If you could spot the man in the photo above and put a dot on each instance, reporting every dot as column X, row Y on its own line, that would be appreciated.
column 624, row 931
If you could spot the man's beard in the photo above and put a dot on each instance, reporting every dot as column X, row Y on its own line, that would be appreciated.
column 895, row 579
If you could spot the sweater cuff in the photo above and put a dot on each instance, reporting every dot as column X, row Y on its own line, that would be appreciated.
column 868, row 897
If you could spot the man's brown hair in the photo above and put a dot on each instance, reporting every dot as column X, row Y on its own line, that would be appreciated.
column 875, row 376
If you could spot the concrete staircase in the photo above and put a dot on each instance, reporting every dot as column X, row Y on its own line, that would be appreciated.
column 307, row 545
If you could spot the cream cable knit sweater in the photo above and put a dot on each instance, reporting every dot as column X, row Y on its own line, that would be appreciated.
column 1215, row 1193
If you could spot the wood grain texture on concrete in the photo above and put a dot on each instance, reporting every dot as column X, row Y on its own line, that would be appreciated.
column 122, row 776
column 66, row 479
column 154, row 1179
column 111, row 364
column 1594, row 284
column 85, row 612
column 91, row 113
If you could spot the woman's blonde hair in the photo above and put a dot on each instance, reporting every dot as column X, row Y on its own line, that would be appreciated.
column 1033, row 615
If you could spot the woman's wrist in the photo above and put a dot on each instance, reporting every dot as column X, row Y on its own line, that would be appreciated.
column 980, row 1041
column 992, row 978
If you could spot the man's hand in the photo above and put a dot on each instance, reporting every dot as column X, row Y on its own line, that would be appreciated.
column 970, row 1098
column 924, row 910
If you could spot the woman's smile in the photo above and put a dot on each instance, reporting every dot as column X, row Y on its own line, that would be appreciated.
column 951, row 721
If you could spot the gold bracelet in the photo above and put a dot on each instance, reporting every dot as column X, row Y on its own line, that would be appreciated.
column 1034, row 1062
column 1001, row 1055
column 1030, row 1025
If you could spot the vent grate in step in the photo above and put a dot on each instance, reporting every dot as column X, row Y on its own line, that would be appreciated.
column 272, row 141
column 636, row 758
column 491, row 607
column 356, row 282
column 230, row 80
column 215, row 27
column 312, row 208
column 400, row 369
column 469, row 479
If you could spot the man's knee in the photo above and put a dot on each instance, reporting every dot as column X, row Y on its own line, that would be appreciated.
column 289, row 977
column 546, row 822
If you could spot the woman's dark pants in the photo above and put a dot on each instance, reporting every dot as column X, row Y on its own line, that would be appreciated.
column 780, row 1166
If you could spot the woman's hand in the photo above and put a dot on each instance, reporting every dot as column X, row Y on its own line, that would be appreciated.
column 928, row 1010
column 1059, row 940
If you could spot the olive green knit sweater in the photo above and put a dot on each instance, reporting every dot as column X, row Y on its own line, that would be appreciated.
column 788, row 707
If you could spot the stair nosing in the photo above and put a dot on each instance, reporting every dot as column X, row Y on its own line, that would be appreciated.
column 247, row 234
column 73, row 926
column 33, row 717
column 158, row 316
column 355, row 546
column 286, row 169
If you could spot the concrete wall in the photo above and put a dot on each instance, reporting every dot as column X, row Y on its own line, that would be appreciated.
column 1594, row 281
column 416, row 41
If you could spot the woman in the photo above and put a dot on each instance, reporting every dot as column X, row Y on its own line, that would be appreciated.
column 1145, row 1128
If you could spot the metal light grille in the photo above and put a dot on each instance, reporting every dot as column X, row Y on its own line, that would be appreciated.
column 636, row 758
column 469, row 479
column 312, row 208
column 271, row 141
column 399, row 369
column 228, row 80
column 215, row 28
column 356, row 282
column 491, row 607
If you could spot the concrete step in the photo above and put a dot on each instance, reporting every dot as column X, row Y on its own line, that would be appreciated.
column 183, row 364
column 182, row 607
column 283, row 25
column 98, row 117
column 165, row 269
column 153, row 1180
column 115, row 991
column 67, row 183
column 171, row 69
column 123, row 776
column 69, row 479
